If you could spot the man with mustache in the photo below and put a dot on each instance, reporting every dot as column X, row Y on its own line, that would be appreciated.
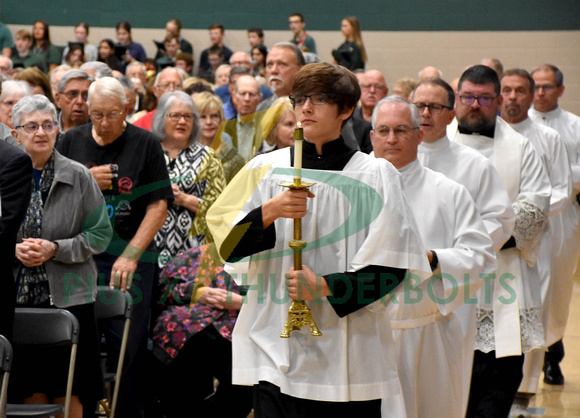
column 509, row 322
column 283, row 62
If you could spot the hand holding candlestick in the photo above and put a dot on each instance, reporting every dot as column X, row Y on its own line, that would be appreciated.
column 298, row 314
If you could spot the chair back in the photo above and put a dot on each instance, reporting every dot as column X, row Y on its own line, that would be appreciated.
column 5, row 365
column 37, row 326
column 112, row 303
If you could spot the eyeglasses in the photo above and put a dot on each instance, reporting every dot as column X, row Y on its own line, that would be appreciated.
column 399, row 132
column 114, row 115
column 176, row 86
column 32, row 127
column 483, row 101
column 376, row 86
column 548, row 88
column 315, row 99
column 434, row 108
column 73, row 94
column 176, row 117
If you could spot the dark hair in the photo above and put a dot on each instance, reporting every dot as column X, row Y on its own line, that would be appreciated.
column 338, row 83
column 46, row 38
column 123, row 24
column 214, row 49
column 217, row 26
column 263, row 50
column 198, row 87
column 258, row 30
column 240, row 69
column 559, row 75
column 299, row 15
column 481, row 74
column 520, row 72
column 73, row 48
column 185, row 56
column 441, row 83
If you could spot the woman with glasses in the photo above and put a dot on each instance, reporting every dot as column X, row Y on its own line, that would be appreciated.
column 195, row 171
column 66, row 223
column 211, row 113
column 351, row 53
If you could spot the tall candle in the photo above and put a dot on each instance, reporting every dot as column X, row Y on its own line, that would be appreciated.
column 298, row 141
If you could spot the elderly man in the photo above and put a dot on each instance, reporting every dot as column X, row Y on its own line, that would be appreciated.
column 301, row 39
column 71, row 99
column 97, row 69
column 373, row 88
column 350, row 370
column 430, row 72
column 239, row 60
column 168, row 79
column 245, row 129
column 462, row 257
column 129, row 167
column 517, row 90
column 282, row 63
column 509, row 321
column 549, row 87
column 216, row 37
column 5, row 130
column 5, row 66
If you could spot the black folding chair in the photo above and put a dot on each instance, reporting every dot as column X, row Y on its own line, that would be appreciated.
column 114, row 304
column 5, row 365
column 42, row 328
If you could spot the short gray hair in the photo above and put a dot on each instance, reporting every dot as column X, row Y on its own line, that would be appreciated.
column 108, row 87
column 73, row 75
column 15, row 86
column 415, row 117
column 136, row 64
column 102, row 69
column 126, row 82
column 167, row 70
column 30, row 104
column 165, row 103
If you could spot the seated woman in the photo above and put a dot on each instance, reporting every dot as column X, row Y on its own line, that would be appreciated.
column 43, row 47
column 259, row 54
column 211, row 112
column 65, row 225
column 192, row 337
column 278, row 124
column 75, row 56
column 195, row 171
column 108, row 56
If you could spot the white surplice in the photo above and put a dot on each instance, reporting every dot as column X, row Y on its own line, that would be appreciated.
column 359, row 217
column 552, row 151
column 566, row 227
column 510, row 321
column 427, row 327
column 468, row 167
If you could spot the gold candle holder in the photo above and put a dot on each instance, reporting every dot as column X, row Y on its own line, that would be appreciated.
column 299, row 314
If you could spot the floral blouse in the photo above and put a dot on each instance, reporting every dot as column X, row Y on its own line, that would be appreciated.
column 182, row 318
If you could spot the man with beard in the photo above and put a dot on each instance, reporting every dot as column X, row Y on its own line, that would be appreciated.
column 283, row 62
column 509, row 319
column 549, row 88
column 517, row 89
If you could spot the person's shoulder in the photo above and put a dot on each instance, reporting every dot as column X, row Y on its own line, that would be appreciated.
column 10, row 153
column 135, row 134
column 73, row 167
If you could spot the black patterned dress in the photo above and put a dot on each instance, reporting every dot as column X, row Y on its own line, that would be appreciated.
column 198, row 171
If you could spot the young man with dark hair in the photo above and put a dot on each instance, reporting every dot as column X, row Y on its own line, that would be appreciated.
column 255, row 37
column 301, row 39
column 216, row 37
column 355, row 207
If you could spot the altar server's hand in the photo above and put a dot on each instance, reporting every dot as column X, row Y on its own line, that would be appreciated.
column 305, row 284
column 288, row 204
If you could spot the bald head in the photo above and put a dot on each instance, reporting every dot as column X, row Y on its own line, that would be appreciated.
column 240, row 58
column 247, row 95
column 430, row 72
column 373, row 88
column 168, row 79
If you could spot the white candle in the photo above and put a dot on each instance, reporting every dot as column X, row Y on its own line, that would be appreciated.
column 298, row 140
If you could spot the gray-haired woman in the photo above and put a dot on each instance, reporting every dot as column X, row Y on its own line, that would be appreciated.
column 66, row 223
column 195, row 171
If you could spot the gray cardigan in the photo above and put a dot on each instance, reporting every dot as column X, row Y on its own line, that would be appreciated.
column 75, row 217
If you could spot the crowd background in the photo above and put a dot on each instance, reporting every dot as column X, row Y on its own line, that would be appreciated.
column 400, row 40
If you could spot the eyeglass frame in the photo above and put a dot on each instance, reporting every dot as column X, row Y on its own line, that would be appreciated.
column 399, row 131
column 326, row 99
column 477, row 98
column 27, row 128
column 114, row 115
column 433, row 110
column 188, row 117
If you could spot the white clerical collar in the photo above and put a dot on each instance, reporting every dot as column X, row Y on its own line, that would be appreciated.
column 432, row 146
column 549, row 114
column 523, row 125
column 412, row 166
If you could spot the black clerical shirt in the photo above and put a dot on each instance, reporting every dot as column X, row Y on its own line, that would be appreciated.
column 350, row 290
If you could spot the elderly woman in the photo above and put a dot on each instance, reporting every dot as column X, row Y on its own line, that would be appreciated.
column 278, row 124
column 195, row 171
column 12, row 91
column 211, row 113
column 65, row 225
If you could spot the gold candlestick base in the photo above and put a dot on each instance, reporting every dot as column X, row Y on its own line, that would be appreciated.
column 298, row 316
